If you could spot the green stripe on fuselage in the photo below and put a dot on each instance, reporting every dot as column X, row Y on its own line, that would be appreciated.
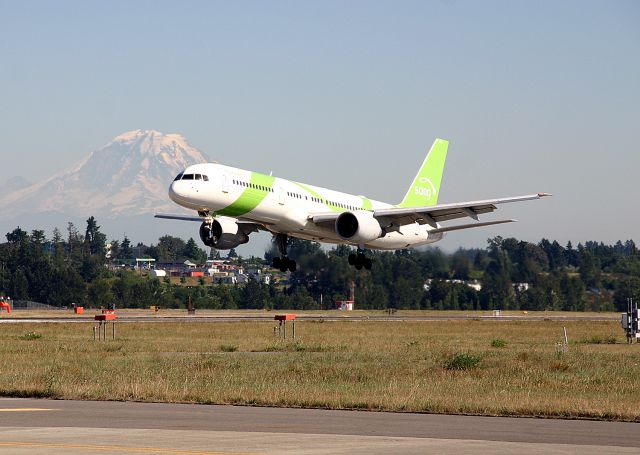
column 251, row 197
column 316, row 195
column 366, row 203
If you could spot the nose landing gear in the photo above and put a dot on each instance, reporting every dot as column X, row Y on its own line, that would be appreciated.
column 283, row 263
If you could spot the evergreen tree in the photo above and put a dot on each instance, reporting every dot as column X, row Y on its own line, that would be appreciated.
column 94, row 240
column 571, row 255
column 193, row 253
column 125, row 249
column 170, row 249
column 74, row 245
column 497, row 290
column 58, row 248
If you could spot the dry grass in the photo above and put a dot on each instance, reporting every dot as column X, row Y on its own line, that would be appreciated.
column 397, row 366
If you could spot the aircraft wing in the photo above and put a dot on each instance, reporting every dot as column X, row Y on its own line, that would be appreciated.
column 245, row 226
column 393, row 218
column 168, row 216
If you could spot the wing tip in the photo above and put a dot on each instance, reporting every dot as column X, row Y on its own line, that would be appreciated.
column 544, row 194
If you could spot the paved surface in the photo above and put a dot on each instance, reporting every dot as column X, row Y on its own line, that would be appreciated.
column 342, row 317
column 29, row 426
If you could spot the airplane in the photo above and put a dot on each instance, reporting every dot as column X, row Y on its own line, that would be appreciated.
column 232, row 203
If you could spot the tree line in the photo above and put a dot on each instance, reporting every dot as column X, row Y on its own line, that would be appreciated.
column 512, row 274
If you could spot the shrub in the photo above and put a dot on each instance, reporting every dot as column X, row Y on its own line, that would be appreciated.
column 30, row 336
column 498, row 343
column 228, row 347
column 462, row 362
column 597, row 339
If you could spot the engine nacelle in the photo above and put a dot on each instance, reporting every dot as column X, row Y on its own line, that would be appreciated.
column 222, row 234
column 358, row 227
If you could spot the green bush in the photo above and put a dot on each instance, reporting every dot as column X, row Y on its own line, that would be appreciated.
column 597, row 339
column 462, row 362
column 228, row 347
column 498, row 343
column 30, row 336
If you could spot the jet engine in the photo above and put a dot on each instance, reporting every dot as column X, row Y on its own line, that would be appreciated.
column 358, row 228
column 222, row 234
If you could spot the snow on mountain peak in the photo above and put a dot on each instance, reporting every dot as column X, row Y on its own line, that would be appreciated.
column 130, row 174
column 151, row 142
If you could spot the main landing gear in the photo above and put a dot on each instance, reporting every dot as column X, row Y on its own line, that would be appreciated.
column 283, row 263
column 360, row 260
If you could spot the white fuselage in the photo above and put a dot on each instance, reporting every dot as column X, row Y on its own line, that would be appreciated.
column 282, row 206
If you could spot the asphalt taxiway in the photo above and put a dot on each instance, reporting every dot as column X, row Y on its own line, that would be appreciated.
column 333, row 317
column 31, row 426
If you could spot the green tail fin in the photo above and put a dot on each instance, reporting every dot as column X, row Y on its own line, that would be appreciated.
column 425, row 189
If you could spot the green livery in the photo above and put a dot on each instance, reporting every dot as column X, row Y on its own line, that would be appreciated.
column 261, row 185
column 425, row 189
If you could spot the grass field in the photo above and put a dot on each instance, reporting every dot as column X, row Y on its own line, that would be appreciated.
column 476, row 367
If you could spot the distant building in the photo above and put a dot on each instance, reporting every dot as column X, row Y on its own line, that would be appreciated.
column 258, row 275
column 145, row 263
column 473, row 284
column 224, row 278
column 520, row 287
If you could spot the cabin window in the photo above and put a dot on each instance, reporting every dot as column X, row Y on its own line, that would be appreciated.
column 198, row 176
column 187, row 177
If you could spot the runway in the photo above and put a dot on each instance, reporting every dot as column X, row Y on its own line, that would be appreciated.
column 330, row 317
column 31, row 426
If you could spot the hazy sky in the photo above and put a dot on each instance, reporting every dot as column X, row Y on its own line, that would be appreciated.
column 533, row 96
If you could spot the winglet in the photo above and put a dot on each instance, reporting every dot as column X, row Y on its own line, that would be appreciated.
column 544, row 194
column 425, row 188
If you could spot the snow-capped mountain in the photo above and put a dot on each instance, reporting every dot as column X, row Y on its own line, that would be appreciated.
column 15, row 184
column 129, row 175
column 122, row 184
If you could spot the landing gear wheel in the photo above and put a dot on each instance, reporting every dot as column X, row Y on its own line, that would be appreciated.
column 283, row 263
column 360, row 261
column 352, row 259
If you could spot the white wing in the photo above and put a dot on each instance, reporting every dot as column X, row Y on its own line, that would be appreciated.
column 393, row 218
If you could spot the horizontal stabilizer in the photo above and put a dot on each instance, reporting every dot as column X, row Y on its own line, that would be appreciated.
column 459, row 227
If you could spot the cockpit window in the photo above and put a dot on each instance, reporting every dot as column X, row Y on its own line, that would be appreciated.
column 192, row 177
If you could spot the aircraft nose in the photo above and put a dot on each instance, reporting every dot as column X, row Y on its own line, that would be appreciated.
column 174, row 191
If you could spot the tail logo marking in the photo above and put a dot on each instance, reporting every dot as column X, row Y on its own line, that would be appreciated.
column 425, row 191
